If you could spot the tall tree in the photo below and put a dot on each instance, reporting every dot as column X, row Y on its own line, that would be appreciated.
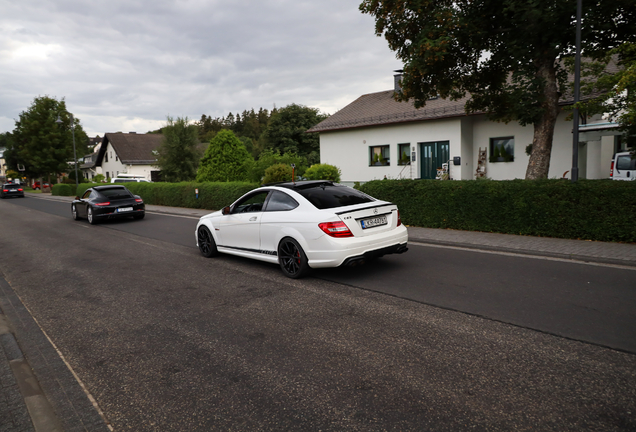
column 179, row 155
column 616, row 92
column 42, row 145
column 226, row 159
column 286, row 131
column 505, row 53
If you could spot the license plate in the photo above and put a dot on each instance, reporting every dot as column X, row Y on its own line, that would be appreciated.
column 124, row 209
column 13, row 190
column 373, row 222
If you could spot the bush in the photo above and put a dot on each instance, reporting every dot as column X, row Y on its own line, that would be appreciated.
column 64, row 189
column 269, row 158
column 278, row 173
column 323, row 172
column 588, row 209
column 225, row 159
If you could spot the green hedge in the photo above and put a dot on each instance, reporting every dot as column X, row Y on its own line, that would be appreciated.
column 212, row 196
column 63, row 189
column 589, row 209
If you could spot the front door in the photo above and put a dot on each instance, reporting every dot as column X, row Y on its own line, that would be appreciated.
column 432, row 156
column 241, row 228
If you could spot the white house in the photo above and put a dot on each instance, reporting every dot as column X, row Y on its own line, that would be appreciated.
column 129, row 153
column 375, row 137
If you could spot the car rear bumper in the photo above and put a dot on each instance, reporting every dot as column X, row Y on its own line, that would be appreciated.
column 116, row 215
column 334, row 252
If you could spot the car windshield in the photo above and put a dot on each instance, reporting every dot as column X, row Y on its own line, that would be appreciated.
column 327, row 196
column 114, row 193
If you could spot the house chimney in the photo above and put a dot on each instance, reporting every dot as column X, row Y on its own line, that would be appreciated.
column 397, row 80
column 132, row 132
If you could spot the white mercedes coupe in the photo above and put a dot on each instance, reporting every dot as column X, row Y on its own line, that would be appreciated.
column 304, row 225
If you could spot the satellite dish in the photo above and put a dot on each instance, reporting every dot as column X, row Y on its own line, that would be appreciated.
column 20, row 167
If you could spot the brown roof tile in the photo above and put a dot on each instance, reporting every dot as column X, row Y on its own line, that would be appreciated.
column 131, row 148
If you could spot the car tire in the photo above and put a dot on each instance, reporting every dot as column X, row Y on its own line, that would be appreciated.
column 139, row 216
column 292, row 258
column 91, row 218
column 207, row 245
column 74, row 212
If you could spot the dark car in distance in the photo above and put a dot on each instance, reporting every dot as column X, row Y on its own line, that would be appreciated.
column 11, row 190
column 107, row 202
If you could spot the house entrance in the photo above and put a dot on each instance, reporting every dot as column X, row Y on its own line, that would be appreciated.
column 432, row 156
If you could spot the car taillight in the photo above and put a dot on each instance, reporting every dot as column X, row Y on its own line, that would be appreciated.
column 102, row 204
column 335, row 229
column 612, row 170
column 139, row 200
column 399, row 219
column 5, row 190
column 20, row 190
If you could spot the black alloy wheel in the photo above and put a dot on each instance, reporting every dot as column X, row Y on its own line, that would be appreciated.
column 90, row 216
column 207, row 245
column 74, row 212
column 292, row 258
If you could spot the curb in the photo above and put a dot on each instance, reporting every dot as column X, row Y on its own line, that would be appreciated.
column 41, row 394
column 527, row 252
column 40, row 411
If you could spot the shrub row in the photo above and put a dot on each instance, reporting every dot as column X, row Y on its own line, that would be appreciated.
column 212, row 195
column 602, row 210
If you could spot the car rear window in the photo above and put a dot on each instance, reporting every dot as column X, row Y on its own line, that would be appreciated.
column 328, row 196
column 626, row 163
column 115, row 193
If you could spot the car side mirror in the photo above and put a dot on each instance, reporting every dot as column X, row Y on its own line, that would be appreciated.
column 226, row 210
column 76, row 197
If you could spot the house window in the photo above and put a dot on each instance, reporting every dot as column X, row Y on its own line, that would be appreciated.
column 106, row 157
column 379, row 156
column 502, row 149
column 107, row 176
column 404, row 154
column 116, row 157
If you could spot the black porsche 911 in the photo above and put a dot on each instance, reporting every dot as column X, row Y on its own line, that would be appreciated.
column 107, row 202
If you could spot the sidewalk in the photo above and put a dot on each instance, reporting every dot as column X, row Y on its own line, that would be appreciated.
column 24, row 407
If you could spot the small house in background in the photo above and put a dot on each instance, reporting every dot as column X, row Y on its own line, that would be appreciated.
column 87, row 163
column 129, row 153
column 376, row 137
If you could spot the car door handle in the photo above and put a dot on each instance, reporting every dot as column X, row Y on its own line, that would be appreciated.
column 252, row 219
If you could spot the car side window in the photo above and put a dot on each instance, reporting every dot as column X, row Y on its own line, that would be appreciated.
column 86, row 194
column 94, row 195
column 280, row 201
column 251, row 203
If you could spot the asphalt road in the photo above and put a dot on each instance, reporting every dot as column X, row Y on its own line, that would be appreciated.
column 165, row 339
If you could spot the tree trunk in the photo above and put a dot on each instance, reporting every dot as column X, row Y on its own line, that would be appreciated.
column 539, row 163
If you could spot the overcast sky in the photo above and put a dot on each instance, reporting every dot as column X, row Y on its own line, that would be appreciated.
column 124, row 65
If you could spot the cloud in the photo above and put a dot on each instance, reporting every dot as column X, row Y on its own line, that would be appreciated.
column 125, row 65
